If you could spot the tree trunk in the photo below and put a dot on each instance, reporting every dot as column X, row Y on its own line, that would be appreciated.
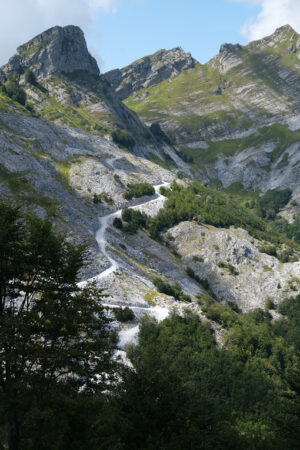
column 13, row 432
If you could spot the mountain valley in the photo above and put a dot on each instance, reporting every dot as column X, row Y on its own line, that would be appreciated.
column 181, row 182
column 72, row 149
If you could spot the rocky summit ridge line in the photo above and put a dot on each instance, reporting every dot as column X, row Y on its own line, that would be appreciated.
column 149, row 71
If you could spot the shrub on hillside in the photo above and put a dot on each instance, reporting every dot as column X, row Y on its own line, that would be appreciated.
column 29, row 77
column 123, row 138
column 174, row 290
column 135, row 219
column 15, row 92
column 117, row 223
column 272, row 202
column 138, row 190
column 124, row 314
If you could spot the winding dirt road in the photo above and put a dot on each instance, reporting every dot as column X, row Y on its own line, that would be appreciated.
column 127, row 334
column 107, row 220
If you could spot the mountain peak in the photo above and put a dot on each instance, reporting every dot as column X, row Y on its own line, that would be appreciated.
column 286, row 27
column 149, row 71
column 282, row 34
column 56, row 50
column 230, row 48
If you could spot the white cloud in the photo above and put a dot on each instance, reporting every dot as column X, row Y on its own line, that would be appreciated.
column 273, row 14
column 21, row 20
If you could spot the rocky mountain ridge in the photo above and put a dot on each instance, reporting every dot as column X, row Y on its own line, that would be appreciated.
column 62, row 83
column 149, row 71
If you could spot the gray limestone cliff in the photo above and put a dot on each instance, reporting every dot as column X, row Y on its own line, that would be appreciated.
column 149, row 71
column 55, row 51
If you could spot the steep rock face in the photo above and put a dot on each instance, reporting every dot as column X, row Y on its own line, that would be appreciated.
column 228, row 58
column 149, row 71
column 55, row 51
column 256, row 276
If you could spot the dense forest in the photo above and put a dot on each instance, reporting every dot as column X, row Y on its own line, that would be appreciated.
column 60, row 388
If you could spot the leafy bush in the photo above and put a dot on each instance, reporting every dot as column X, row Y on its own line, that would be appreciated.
column 138, row 190
column 206, row 205
column 99, row 198
column 181, row 175
column 174, row 289
column 258, row 315
column 205, row 283
column 191, row 273
column 268, row 249
column 186, row 158
column 117, row 223
column 269, row 304
column 123, row 138
column 99, row 128
column 272, row 202
column 224, row 265
column 29, row 77
column 15, row 92
column 134, row 218
column 124, row 314
column 96, row 199
column 198, row 258
column 214, row 207
column 29, row 106
column 292, row 230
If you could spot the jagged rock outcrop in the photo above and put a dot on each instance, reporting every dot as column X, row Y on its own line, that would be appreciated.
column 254, row 276
column 227, row 58
column 279, row 35
column 149, row 71
column 230, row 47
column 55, row 51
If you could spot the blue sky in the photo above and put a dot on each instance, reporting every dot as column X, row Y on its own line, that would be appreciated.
column 121, row 31
column 139, row 28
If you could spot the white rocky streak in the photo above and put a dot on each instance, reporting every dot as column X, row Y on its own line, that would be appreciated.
column 294, row 123
column 128, row 335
